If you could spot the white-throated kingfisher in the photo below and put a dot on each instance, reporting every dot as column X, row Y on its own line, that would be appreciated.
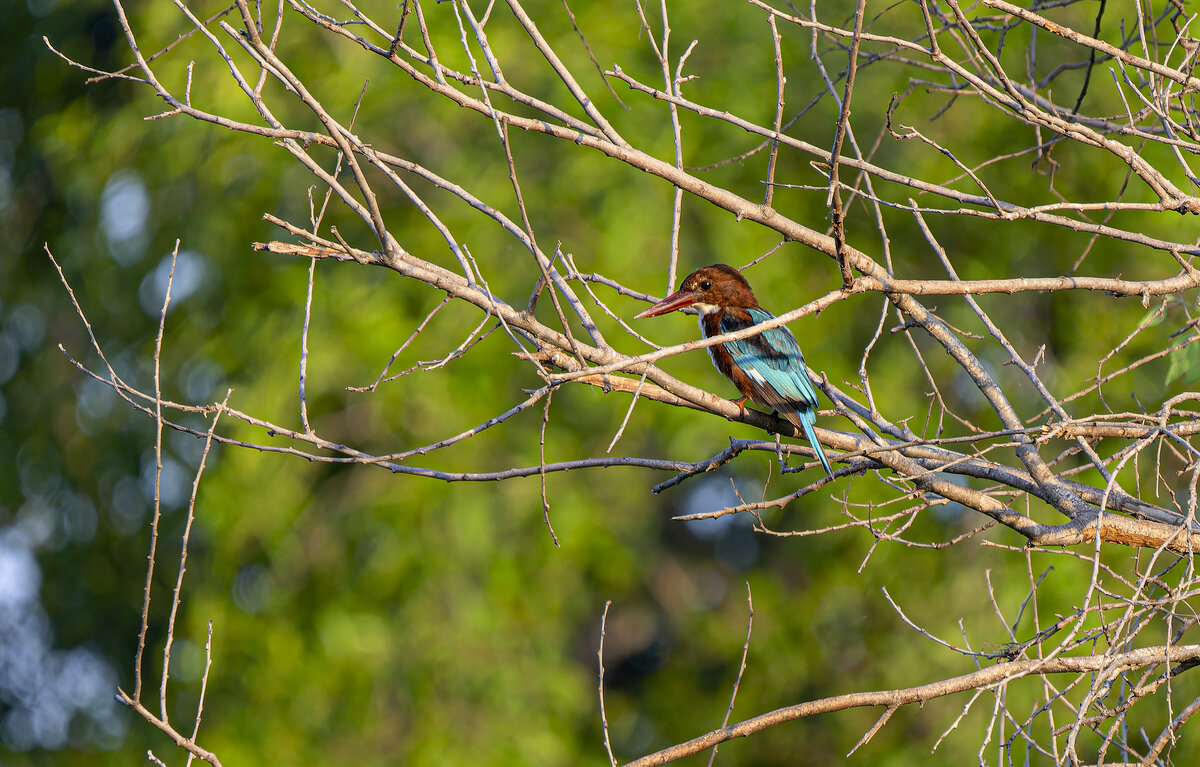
column 767, row 368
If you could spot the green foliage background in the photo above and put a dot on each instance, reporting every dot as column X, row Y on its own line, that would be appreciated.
column 364, row 618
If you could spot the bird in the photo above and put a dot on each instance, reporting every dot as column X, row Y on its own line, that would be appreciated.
column 768, row 368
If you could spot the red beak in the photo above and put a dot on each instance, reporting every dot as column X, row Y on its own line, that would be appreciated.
column 677, row 300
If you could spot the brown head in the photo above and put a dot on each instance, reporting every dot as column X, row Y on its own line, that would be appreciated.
column 707, row 288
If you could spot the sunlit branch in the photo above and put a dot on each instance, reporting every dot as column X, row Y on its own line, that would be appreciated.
column 981, row 679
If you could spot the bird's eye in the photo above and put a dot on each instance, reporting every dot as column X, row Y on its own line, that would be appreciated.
column 706, row 285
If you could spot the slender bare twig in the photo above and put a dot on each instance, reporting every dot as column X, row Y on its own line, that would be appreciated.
column 741, row 667
column 600, row 658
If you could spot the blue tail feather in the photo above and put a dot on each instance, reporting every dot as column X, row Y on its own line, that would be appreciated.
column 812, row 440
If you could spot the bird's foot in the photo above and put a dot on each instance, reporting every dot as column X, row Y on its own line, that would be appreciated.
column 741, row 403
